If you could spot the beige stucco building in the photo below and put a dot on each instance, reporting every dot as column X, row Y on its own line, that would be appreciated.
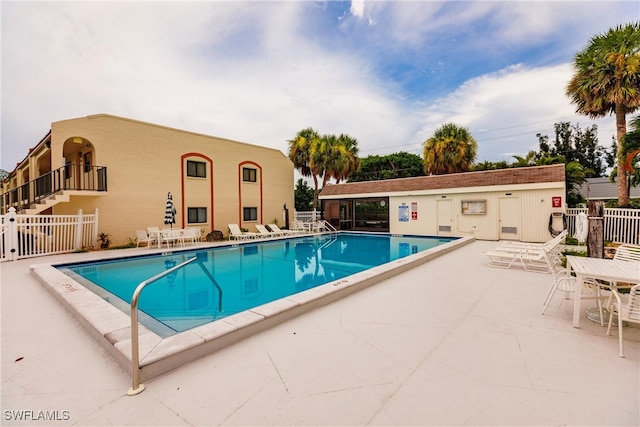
column 125, row 168
column 514, row 204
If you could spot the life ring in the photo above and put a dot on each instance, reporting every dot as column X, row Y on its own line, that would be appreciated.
column 553, row 232
column 582, row 227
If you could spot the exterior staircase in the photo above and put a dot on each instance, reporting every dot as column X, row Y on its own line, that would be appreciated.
column 47, row 202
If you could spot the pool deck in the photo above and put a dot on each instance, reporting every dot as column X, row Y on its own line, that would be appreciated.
column 450, row 342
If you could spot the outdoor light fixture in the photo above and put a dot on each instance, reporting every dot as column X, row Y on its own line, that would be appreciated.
column 77, row 140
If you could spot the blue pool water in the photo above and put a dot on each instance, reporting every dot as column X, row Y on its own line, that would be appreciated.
column 246, row 275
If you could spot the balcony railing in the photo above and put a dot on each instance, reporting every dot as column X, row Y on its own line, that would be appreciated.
column 69, row 177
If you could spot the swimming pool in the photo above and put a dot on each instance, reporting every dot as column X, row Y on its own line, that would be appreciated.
column 160, row 353
column 244, row 276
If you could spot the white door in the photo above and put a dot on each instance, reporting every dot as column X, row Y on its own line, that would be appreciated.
column 445, row 217
column 509, row 218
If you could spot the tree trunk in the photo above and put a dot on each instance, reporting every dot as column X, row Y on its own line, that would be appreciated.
column 595, row 245
column 621, row 130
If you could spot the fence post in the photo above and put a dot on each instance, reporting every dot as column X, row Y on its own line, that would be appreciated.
column 94, row 237
column 11, row 245
column 595, row 240
column 77, row 244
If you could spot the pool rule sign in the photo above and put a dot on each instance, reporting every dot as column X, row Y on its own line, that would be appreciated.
column 414, row 211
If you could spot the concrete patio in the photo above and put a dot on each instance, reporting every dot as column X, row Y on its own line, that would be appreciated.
column 451, row 342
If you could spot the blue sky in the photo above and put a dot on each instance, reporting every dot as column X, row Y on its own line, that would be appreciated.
column 387, row 73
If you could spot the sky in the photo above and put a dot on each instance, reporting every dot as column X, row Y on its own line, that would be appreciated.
column 387, row 73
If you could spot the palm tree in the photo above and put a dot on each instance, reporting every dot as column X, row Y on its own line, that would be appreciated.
column 300, row 155
column 607, row 81
column 350, row 151
column 323, row 157
column 451, row 149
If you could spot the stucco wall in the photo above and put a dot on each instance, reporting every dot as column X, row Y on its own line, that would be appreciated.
column 529, row 208
column 147, row 161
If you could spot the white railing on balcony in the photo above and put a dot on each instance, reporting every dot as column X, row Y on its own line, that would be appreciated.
column 26, row 236
column 620, row 225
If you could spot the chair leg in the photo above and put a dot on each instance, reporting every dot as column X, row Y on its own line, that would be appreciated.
column 549, row 297
column 621, row 339
column 620, row 332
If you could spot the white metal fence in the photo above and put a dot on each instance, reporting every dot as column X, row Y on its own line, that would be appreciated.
column 26, row 236
column 620, row 225
column 307, row 216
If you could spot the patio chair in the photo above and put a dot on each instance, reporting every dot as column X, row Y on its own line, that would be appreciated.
column 236, row 234
column 143, row 237
column 628, row 311
column 171, row 236
column 191, row 235
column 627, row 253
column 563, row 281
column 266, row 233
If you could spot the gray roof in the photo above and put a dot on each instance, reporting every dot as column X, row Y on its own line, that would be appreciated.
column 603, row 189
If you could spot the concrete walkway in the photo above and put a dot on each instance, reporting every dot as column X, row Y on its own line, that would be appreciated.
column 452, row 342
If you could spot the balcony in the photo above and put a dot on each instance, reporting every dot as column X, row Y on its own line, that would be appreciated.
column 74, row 177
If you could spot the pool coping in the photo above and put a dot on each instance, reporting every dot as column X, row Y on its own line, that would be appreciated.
column 112, row 328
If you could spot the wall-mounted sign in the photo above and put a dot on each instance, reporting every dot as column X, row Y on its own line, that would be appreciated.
column 414, row 211
column 474, row 207
column 556, row 202
column 403, row 213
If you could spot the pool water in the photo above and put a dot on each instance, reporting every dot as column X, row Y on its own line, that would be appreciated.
column 246, row 275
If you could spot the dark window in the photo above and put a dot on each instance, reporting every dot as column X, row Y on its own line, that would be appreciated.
column 87, row 161
column 197, row 169
column 249, row 175
column 250, row 214
column 196, row 215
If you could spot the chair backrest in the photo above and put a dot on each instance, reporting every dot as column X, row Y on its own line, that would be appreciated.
column 153, row 229
column 262, row 229
column 141, row 235
column 627, row 253
column 274, row 228
column 235, row 229
column 632, row 309
column 190, row 232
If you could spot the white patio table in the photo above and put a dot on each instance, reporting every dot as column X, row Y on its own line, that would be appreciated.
column 614, row 271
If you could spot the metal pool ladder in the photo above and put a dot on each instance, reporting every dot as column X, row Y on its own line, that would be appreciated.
column 136, row 387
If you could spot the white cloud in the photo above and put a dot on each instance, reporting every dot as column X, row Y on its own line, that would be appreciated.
column 259, row 72
column 505, row 110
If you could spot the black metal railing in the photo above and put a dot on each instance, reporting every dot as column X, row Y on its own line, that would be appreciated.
column 69, row 177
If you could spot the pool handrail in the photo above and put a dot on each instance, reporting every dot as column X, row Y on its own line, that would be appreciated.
column 136, row 387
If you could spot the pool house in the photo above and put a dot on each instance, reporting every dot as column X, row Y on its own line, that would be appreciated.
column 514, row 204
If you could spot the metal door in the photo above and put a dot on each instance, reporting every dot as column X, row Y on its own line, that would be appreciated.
column 444, row 217
column 509, row 218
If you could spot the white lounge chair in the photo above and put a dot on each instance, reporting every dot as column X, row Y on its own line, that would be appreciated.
column 532, row 256
column 277, row 229
column 266, row 233
column 236, row 234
